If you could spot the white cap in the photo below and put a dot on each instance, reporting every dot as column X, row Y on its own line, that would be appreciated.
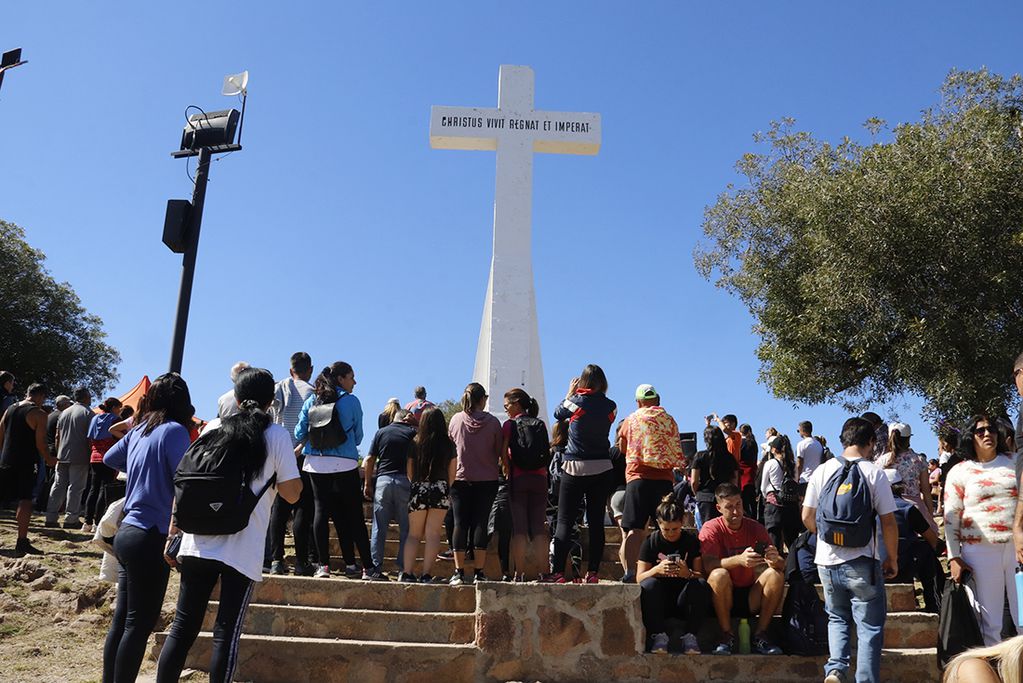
column 902, row 428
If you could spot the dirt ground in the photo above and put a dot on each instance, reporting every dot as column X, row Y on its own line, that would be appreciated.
column 54, row 609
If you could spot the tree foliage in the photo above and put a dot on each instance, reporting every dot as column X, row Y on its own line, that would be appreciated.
column 889, row 267
column 450, row 408
column 45, row 333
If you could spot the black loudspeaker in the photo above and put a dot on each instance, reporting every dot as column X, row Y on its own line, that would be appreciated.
column 175, row 225
column 210, row 129
column 688, row 440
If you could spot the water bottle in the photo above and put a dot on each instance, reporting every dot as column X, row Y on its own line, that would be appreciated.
column 1019, row 595
column 744, row 634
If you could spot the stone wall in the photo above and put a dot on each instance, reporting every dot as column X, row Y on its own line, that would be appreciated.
column 530, row 632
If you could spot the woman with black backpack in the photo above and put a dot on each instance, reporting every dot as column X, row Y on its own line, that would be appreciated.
column 330, row 424
column 526, row 444
column 234, row 560
column 781, row 494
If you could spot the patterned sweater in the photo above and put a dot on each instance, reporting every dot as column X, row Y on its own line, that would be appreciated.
column 980, row 502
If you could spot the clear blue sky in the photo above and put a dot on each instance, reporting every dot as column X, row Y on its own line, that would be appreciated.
column 340, row 232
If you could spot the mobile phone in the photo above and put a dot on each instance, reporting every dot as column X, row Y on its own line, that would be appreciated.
column 760, row 548
column 674, row 557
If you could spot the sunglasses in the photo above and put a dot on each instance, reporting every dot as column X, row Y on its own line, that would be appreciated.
column 985, row 430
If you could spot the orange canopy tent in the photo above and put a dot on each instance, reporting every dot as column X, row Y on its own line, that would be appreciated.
column 138, row 391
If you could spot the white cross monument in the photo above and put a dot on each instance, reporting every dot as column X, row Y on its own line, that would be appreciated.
column 508, row 353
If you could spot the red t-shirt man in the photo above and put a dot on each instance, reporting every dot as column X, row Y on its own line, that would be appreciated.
column 718, row 540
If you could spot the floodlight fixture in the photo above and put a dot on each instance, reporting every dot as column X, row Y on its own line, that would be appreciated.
column 9, row 60
column 209, row 129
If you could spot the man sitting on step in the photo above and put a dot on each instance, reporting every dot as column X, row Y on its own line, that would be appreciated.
column 743, row 569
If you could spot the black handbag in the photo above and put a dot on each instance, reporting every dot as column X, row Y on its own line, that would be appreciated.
column 958, row 629
column 325, row 430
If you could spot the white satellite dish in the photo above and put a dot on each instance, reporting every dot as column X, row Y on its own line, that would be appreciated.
column 236, row 84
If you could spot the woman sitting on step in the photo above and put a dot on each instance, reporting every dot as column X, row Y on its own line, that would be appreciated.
column 670, row 574
column 233, row 560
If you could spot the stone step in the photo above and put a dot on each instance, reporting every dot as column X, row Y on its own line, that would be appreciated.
column 363, row 595
column 274, row 659
column 354, row 624
column 609, row 571
column 291, row 659
column 612, row 534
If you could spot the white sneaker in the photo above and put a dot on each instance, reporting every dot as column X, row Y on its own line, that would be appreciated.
column 660, row 644
column 322, row 572
column 690, row 645
column 88, row 528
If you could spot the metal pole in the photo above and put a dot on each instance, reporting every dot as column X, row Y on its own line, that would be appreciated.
column 188, row 263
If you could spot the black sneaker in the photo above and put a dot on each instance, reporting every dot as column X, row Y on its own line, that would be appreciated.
column 725, row 645
column 23, row 547
column 762, row 646
column 278, row 568
column 352, row 572
column 304, row 569
column 480, row 576
column 446, row 556
column 507, row 578
column 405, row 577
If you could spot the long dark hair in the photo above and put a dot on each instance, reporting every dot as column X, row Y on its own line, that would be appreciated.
column 434, row 449
column 559, row 435
column 717, row 450
column 254, row 391
column 327, row 381
column 966, row 446
column 473, row 394
column 593, row 378
column 166, row 401
column 782, row 444
column 529, row 405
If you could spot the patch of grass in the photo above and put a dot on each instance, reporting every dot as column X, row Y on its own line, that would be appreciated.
column 8, row 630
column 63, row 587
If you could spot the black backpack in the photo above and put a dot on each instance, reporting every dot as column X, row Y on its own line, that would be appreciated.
column 210, row 493
column 958, row 629
column 530, row 446
column 805, row 622
column 325, row 430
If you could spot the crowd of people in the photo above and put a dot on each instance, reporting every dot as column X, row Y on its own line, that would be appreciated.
column 720, row 530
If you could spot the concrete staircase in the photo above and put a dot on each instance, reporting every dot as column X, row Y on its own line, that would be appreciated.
column 300, row 630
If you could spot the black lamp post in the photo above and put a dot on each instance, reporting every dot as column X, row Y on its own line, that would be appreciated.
column 204, row 135
column 9, row 60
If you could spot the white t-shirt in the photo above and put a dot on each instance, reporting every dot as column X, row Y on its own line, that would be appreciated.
column 773, row 477
column 244, row 550
column 880, row 494
column 811, row 451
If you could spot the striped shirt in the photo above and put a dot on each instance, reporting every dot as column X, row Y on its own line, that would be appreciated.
column 289, row 395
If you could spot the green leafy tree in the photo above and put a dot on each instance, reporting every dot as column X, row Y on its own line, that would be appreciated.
column 450, row 407
column 889, row 267
column 46, row 335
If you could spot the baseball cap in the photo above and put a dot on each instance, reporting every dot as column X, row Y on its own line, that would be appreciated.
column 893, row 476
column 645, row 392
column 62, row 400
column 902, row 428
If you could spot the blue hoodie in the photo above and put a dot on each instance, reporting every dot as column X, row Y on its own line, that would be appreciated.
column 349, row 410
column 590, row 416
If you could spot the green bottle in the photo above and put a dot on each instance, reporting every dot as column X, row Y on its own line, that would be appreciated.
column 744, row 637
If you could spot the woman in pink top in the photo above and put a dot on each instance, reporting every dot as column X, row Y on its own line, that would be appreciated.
column 528, row 498
column 478, row 442
column 980, row 503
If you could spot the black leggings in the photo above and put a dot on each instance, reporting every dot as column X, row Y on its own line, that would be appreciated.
column 198, row 577
column 596, row 488
column 141, row 585
column 503, row 528
column 101, row 476
column 338, row 498
column 304, row 511
column 782, row 522
column 687, row 599
column 471, row 502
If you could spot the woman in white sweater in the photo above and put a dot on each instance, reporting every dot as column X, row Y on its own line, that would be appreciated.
column 980, row 502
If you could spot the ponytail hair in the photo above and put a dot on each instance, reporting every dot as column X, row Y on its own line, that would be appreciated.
column 782, row 444
column 670, row 509
column 474, row 393
column 529, row 405
column 111, row 405
column 326, row 383
column 254, row 391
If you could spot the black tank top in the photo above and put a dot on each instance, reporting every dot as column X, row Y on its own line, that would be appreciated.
column 19, row 438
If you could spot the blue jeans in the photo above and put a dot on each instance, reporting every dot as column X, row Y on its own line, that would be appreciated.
column 390, row 501
column 850, row 596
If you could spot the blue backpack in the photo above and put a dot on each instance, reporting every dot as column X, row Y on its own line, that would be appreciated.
column 845, row 508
